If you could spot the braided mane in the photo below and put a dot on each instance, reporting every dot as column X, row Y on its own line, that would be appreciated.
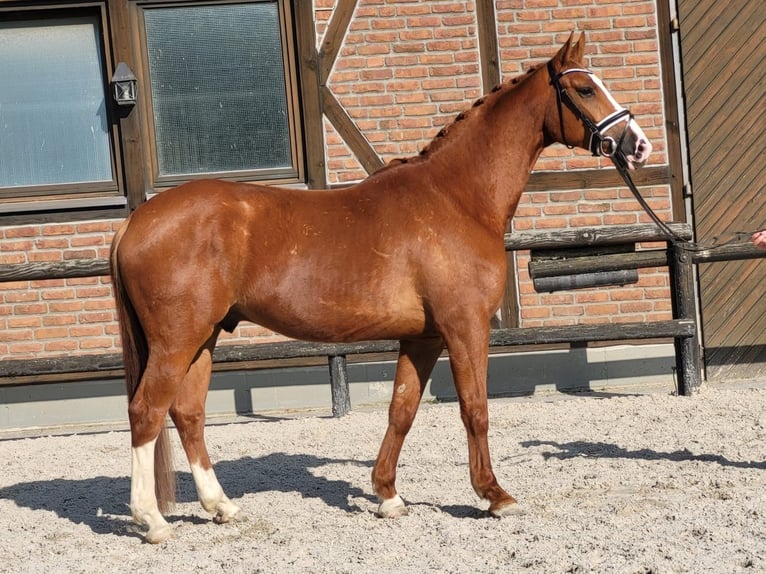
column 496, row 92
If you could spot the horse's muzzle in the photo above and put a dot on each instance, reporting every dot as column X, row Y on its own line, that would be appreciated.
column 636, row 147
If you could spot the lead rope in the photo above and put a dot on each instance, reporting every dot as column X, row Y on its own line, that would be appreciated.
column 736, row 236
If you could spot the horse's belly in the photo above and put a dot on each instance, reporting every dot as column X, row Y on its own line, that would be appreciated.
column 338, row 319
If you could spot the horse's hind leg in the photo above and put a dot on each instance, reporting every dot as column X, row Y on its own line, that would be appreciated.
column 147, row 410
column 468, row 359
column 188, row 414
column 416, row 361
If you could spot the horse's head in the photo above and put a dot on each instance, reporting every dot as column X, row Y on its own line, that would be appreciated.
column 587, row 115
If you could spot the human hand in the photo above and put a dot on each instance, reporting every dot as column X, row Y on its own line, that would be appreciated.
column 759, row 239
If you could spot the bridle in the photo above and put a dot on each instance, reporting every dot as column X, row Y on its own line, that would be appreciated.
column 601, row 144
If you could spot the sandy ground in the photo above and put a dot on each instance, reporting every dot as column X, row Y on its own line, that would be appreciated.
column 632, row 483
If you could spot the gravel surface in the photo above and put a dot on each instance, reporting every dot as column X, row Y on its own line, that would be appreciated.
column 610, row 483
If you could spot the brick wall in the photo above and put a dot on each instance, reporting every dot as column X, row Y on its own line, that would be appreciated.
column 406, row 69
column 43, row 318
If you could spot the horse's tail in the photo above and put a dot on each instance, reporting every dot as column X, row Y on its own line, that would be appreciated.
column 135, row 353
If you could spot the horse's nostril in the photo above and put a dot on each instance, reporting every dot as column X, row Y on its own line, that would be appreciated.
column 642, row 148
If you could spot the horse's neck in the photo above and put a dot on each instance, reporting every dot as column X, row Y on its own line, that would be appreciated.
column 487, row 165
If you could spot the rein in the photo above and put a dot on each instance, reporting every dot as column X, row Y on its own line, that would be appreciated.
column 688, row 245
column 600, row 144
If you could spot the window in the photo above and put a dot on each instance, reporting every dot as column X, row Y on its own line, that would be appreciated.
column 217, row 97
column 54, row 129
column 221, row 92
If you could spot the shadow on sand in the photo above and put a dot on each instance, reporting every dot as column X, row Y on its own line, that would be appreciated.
column 101, row 503
column 587, row 449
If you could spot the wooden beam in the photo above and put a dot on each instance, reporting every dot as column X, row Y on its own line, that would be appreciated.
column 311, row 104
column 350, row 133
column 596, row 179
column 134, row 160
column 331, row 107
column 488, row 46
column 489, row 61
column 586, row 236
column 41, row 271
column 13, row 369
column 333, row 37
column 598, row 264
column 730, row 252
column 665, row 32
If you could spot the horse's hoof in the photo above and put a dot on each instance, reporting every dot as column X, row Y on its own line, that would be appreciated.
column 228, row 512
column 506, row 509
column 392, row 508
column 159, row 534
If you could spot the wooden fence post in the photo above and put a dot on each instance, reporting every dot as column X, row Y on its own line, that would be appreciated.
column 687, row 348
column 341, row 399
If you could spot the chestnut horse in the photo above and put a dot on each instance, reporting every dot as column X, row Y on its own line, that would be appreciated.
column 414, row 252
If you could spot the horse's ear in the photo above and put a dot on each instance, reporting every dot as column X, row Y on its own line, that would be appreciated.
column 578, row 50
column 564, row 52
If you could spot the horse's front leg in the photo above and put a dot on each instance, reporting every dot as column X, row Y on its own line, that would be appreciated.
column 468, row 351
column 416, row 361
column 188, row 414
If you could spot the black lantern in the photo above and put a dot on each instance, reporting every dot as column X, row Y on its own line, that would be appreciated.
column 124, row 85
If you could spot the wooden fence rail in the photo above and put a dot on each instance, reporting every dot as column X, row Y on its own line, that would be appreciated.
column 682, row 328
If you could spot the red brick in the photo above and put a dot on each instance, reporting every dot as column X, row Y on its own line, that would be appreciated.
column 444, row 45
column 96, row 343
column 65, row 306
column 22, row 322
column 21, row 296
column 60, row 346
column 12, row 258
column 417, row 34
column 30, row 309
column 44, row 256
column 83, row 331
column 15, row 232
column 51, row 320
column 51, row 333
column 16, row 334
column 438, row 7
column 462, row 20
column 430, row 22
column 26, row 348
column 59, row 229
column 535, row 313
column 409, row 47
column 19, row 245
column 70, row 254
column 94, row 227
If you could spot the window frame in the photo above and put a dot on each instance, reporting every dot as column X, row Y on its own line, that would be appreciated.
column 104, row 193
column 295, row 174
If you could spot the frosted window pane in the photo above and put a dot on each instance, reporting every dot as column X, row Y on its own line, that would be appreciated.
column 53, row 124
column 218, row 88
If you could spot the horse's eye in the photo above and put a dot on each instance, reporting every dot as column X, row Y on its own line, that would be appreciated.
column 586, row 91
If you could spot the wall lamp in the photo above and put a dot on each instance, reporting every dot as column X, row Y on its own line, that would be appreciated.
column 124, row 85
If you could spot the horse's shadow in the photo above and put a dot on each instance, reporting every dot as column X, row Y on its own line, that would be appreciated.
column 101, row 502
column 587, row 449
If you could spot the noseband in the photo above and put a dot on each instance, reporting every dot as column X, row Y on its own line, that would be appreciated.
column 599, row 144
